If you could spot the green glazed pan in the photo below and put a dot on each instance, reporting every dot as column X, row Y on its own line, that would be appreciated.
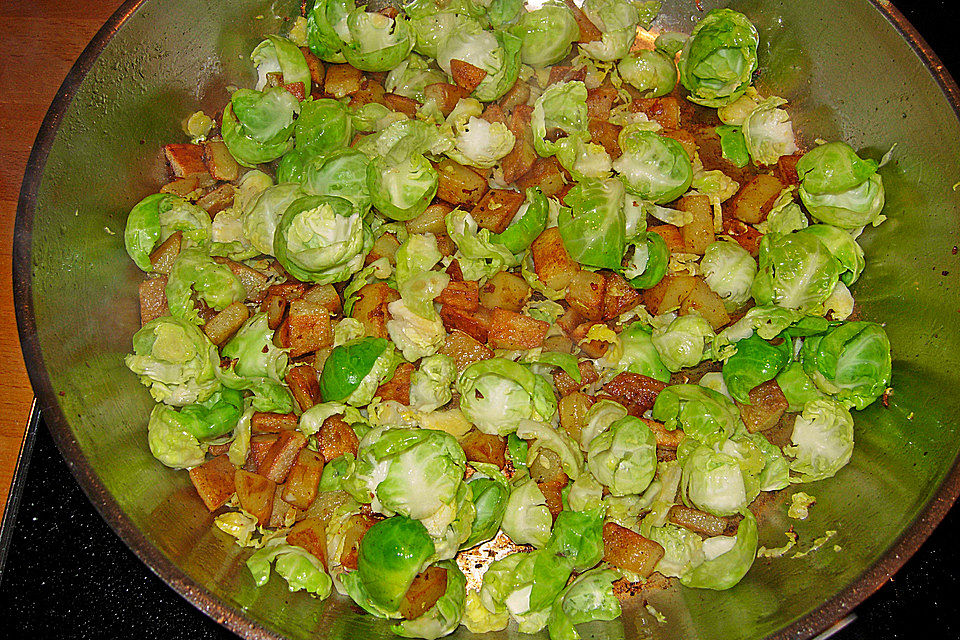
column 852, row 69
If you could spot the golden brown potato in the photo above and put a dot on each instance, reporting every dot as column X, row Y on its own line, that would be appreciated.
column 684, row 137
column 484, row 447
column 552, row 263
column 464, row 349
column 315, row 65
column 432, row 220
column 370, row 308
column 619, row 296
column 310, row 534
column 303, row 479
column 668, row 293
column 517, row 95
column 222, row 326
column 664, row 110
column 304, row 385
column 505, row 290
column 634, row 391
column 767, row 406
column 214, row 481
column 552, row 491
column 262, row 422
column 326, row 296
column 444, row 95
column 402, row 104
column 163, row 257
column 310, row 327
column 545, row 173
column 474, row 323
column 397, row 388
column 462, row 294
column 511, row 330
column 254, row 282
column 665, row 439
column 698, row 233
column 573, row 410
column 336, row 438
column 185, row 159
column 745, row 235
column 458, row 184
column 467, row 76
column 153, row 299
column 278, row 461
column 671, row 236
column 342, row 80
column 497, row 208
column 280, row 515
column 566, row 385
column 256, row 495
column 607, row 135
column 705, row 524
column 427, row 587
column 786, row 169
column 218, row 199
column 628, row 550
column 520, row 160
column 383, row 247
column 220, row 163
column 588, row 31
column 585, row 293
column 754, row 200
column 259, row 445
column 357, row 527
column 600, row 101
column 707, row 303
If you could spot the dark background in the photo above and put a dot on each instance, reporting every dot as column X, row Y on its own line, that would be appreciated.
column 69, row 576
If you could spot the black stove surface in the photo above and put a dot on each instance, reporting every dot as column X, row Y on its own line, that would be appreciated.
column 69, row 576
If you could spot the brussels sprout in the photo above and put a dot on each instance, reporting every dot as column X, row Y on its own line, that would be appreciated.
column 228, row 237
column 195, row 273
column 490, row 494
column 712, row 480
column 301, row 569
column 325, row 24
column 850, row 362
column 840, row 188
column 528, row 223
column 726, row 560
column 518, row 582
column 343, row 174
column 733, row 145
column 412, row 76
column 702, row 413
column 280, row 55
column 617, row 21
column 718, row 61
column 496, row 53
column 584, row 493
column 356, row 370
column 670, row 43
column 156, row 218
column 577, row 538
column 503, row 12
column 562, row 106
column 253, row 350
column 544, row 436
column 547, row 34
column 415, row 335
column 785, row 216
column 650, row 72
column 375, row 42
column 640, row 355
column 648, row 261
column 517, row 452
column 684, row 342
column 260, row 223
column 444, row 616
column 170, row 442
column 321, row 239
column 768, row 132
column 478, row 254
column 593, row 228
column 432, row 28
column 797, row 387
column 212, row 418
column 392, row 553
column 729, row 270
column 324, row 126
column 478, row 619
column 430, row 383
column 755, row 362
column 402, row 191
column 844, row 248
column 822, row 440
column 589, row 597
column 683, row 549
column 527, row 519
column 476, row 142
column 258, row 126
column 796, row 272
column 624, row 457
column 653, row 167
column 496, row 394
column 776, row 470
column 598, row 419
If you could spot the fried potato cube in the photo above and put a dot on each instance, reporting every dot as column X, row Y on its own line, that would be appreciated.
column 745, row 235
column 336, row 438
column 585, row 293
column 275, row 307
column 342, row 80
column 370, row 308
column 628, row 550
column 755, row 199
column 383, row 247
column 153, row 299
column 767, row 406
column 281, row 456
column 566, row 73
column 551, row 261
column 698, row 233
column 573, row 410
column 256, row 495
column 432, row 220
column 402, row 104
column 259, row 446
column 667, row 294
column 484, row 447
column 218, row 199
column 303, row 479
column 588, row 31
column 497, row 209
column 222, row 326
column 634, row 391
column 326, row 296
column 607, row 135
column 552, row 491
column 707, row 303
column 511, row 330
column 567, row 385
column 464, row 349
column 515, row 96
column 665, row 439
column 310, row 327
column 686, row 139
column 163, row 257
column 315, row 65
column 671, row 236
column 521, row 158
column 462, row 294
column 310, row 534
column 474, row 323
column 459, row 184
column 370, row 92
column 263, row 422
column 214, row 481
column 664, row 110
column 280, row 514
column 397, row 388
column 185, row 159
column 220, row 163
column 619, row 296
column 786, row 169
column 304, row 385
column 705, row 524
column 444, row 95
column 546, row 174
column 254, row 282
column 427, row 587
column 467, row 76
column 357, row 528
column 505, row 290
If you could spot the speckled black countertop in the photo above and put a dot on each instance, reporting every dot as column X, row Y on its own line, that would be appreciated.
column 69, row 576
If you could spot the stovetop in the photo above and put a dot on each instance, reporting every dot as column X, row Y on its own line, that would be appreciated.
column 69, row 576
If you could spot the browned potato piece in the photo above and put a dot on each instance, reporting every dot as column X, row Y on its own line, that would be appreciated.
column 153, row 299
column 464, row 349
column 668, row 293
column 588, row 31
column 665, row 439
column 445, row 95
column 214, row 481
column 383, row 247
column 220, row 164
column 573, row 409
column 634, row 391
column 282, row 455
column 600, row 100
column 226, row 323
column 309, row 327
column 511, row 330
column 289, row 291
column 567, row 385
column 336, row 438
column 566, row 73
column 304, row 385
column 664, row 110
column 558, row 344
column 262, row 422
column 698, row 233
column 252, row 280
column 497, row 208
column 755, row 199
column 182, row 186
column 707, row 303
column 259, row 445
column 303, row 479
column 185, row 159
column 424, row 591
column 310, row 534
column 705, row 524
column 398, row 387
column 402, row 104
column 342, row 80
column 545, row 173
column 464, row 295
column 276, row 308
column 671, row 236
column 370, row 308
column 552, row 491
column 521, row 158
column 256, row 495
column 745, row 235
column 628, row 550
column 619, row 296
column 326, row 296
column 485, row 447
column 433, row 220
column 279, row 515
column 517, row 95
column 371, row 92
column 315, row 65
column 607, row 135
column 585, row 294
column 163, row 257
column 474, row 323
column 767, row 406
column 786, row 169
column 358, row 526
column 467, row 76
column 505, row 290
column 552, row 263
column 459, row 184
column 217, row 200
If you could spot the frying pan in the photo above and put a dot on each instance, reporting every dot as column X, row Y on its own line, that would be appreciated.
column 852, row 70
